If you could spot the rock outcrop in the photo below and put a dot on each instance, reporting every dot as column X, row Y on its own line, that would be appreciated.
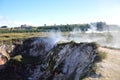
column 3, row 59
column 43, row 59
column 4, row 56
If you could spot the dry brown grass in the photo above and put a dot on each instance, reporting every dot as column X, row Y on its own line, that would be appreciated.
column 8, row 36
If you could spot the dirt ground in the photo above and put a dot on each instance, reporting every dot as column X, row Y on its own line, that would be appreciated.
column 109, row 68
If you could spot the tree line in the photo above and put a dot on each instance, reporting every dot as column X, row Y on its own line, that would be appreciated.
column 62, row 28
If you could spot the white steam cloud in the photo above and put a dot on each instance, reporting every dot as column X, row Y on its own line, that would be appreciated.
column 108, row 38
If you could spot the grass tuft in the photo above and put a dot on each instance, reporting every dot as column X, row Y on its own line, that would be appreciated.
column 100, row 56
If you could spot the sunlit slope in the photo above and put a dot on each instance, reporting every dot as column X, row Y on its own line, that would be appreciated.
column 110, row 67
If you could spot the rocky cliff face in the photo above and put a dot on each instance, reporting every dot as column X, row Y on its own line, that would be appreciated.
column 43, row 59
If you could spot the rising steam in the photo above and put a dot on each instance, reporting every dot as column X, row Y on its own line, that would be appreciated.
column 107, row 37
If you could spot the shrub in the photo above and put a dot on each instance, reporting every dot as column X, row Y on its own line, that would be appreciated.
column 100, row 56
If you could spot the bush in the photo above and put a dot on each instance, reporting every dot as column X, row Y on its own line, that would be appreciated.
column 100, row 56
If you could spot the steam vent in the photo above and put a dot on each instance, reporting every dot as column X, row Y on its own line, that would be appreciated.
column 41, row 59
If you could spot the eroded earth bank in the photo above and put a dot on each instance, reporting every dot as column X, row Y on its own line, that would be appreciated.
column 41, row 58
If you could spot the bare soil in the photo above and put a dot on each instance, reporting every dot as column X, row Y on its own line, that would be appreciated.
column 109, row 68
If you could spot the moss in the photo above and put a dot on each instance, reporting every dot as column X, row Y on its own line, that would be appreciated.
column 52, row 62
column 51, row 66
column 18, row 58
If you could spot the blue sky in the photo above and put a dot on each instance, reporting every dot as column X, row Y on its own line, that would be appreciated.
column 50, row 12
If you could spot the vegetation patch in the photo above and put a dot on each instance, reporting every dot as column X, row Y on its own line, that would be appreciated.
column 100, row 56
